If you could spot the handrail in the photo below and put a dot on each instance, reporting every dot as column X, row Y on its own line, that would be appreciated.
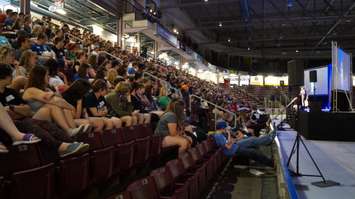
column 215, row 106
column 113, row 56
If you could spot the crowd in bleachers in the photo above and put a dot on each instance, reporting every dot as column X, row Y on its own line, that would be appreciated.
column 60, row 88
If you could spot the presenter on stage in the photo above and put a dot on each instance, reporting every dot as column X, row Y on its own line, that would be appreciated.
column 303, row 98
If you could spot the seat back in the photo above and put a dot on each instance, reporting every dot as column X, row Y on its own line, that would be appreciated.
column 123, row 154
column 195, row 154
column 101, row 164
column 73, row 176
column 201, row 149
column 163, row 180
column 142, row 153
column 155, row 144
column 91, row 138
column 33, row 183
column 110, row 137
column 129, row 133
column 187, row 160
column 19, row 158
column 176, row 168
column 143, row 189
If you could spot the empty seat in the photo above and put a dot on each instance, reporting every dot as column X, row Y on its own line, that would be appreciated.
column 166, row 186
column 196, row 171
column 123, row 154
column 73, row 176
column 110, row 137
column 91, row 138
column 19, row 158
column 181, row 177
column 142, row 189
column 2, row 187
column 101, row 164
column 142, row 153
column 33, row 183
column 101, row 157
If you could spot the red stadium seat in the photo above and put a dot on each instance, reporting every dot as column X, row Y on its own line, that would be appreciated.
column 142, row 189
column 33, row 183
column 73, row 176
column 101, row 164
column 123, row 155
column 19, row 158
column 178, row 171
column 166, row 186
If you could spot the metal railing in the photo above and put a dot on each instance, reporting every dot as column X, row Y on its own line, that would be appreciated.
column 215, row 107
column 113, row 56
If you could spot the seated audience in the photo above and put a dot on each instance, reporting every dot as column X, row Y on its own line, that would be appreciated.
column 120, row 105
column 9, row 127
column 47, row 106
column 74, row 95
column 237, row 144
column 95, row 105
column 57, row 80
column 170, row 126
column 10, row 98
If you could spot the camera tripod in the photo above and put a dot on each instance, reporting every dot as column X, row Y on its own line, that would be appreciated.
column 296, row 149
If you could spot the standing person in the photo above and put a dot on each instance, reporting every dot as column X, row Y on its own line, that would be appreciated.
column 170, row 126
column 95, row 105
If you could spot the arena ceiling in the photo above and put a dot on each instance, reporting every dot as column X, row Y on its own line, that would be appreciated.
column 264, row 28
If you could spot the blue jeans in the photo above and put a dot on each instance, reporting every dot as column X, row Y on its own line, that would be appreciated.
column 248, row 148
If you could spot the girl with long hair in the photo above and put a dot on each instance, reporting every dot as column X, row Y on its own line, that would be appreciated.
column 47, row 106
column 171, row 126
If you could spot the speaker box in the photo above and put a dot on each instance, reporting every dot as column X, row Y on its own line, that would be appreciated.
column 313, row 76
column 295, row 70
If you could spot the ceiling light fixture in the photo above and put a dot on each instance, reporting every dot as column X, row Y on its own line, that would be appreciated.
column 220, row 24
column 206, row 0
column 297, row 51
column 229, row 40
column 248, row 48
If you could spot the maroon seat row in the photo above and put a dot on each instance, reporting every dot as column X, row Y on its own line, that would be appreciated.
column 24, row 173
column 184, row 178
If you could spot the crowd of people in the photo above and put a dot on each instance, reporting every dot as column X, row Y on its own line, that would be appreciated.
column 59, row 82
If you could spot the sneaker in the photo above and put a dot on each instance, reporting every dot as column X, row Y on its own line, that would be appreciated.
column 3, row 148
column 75, row 131
column 75, row 148
column 86, row 128
column 27, row 139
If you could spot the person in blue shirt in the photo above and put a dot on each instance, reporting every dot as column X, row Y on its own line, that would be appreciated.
column 40, row 45
column 233, row 143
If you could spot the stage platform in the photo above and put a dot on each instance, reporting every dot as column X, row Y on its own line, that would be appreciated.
column 338, row 126
column 336, row 160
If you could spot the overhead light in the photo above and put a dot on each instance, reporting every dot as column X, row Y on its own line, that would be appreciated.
column 297, row 51
column 220, row 24
column 206, row 0
column 229, row 40
column 248, row 48
column 151, row 10
column 61, row 11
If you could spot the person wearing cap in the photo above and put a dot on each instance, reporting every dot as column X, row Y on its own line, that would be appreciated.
column 233, row 143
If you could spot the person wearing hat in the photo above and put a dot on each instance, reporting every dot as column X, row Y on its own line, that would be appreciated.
column 233, row 143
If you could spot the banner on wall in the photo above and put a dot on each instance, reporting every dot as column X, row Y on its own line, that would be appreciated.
column 257, row 80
